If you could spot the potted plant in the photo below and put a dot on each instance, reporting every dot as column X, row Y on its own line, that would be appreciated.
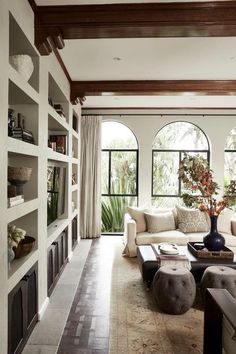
column 15, row 235
column 197, row 177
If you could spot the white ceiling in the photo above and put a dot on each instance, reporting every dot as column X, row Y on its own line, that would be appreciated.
column 151, row 58
column 191, row 58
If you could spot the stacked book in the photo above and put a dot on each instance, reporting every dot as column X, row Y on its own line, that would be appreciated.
column 23, row 134
column 15, row 200
column 59, row 109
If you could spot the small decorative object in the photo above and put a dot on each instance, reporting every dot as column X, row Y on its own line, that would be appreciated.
column 11, row 121
column 74, row 178
column 11, row 255
column 22, row 63
column 197, row 176
column 18, row 176
column 14, row 235
column 24, row 247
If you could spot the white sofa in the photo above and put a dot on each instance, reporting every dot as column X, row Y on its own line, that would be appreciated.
column 132, row 238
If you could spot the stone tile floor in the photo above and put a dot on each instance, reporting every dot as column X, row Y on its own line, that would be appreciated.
column 46, row 336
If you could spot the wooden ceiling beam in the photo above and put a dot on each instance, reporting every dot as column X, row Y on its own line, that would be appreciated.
column 142, row 20
column 81, row 89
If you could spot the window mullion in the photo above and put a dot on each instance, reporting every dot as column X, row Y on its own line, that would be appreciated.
column 109, row 174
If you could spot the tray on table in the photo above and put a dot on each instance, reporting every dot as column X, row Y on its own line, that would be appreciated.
column 198, row 250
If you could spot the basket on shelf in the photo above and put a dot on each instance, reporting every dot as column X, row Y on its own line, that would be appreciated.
column 24, row 247
column 19, row 174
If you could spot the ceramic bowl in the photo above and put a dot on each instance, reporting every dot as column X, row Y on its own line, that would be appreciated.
column 22, row 63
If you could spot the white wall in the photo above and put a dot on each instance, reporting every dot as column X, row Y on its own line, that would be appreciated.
column 145, row 127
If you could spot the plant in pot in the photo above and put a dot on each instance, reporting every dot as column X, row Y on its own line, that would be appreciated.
column 14, row 235
column 197, row 178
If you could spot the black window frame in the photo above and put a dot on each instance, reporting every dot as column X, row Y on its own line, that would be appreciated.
column 181, row 152
column 109, row 194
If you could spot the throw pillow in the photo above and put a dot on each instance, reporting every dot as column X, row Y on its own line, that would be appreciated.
column 191, row 220
column 138, row 215
column 160, row 222
column 224, row 221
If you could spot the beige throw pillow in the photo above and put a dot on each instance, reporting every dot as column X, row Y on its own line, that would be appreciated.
column 191, row 220
column 160, row 222
column 138, row 215
column 224, row 221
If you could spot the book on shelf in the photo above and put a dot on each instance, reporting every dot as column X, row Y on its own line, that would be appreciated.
column 58, row 143
column 15, row 200
column 59, row 109
column 23, row 134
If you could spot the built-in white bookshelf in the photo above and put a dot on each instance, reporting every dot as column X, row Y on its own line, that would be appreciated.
column 40, row 108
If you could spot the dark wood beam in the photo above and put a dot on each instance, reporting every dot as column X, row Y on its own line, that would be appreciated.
column 80, row 89
column 58, row 23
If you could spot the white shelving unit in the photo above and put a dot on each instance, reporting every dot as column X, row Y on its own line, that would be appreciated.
column 31, row 99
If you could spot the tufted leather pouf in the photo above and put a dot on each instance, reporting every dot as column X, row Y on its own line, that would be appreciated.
column 174, row 289
column 219, row 277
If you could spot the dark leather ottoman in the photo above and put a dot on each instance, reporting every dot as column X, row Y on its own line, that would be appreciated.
column 147, row 263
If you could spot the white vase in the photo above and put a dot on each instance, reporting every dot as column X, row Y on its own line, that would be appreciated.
column 11, row 255
column 22, row 63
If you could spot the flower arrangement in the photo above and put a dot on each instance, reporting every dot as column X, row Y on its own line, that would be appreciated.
column 196, row 175
column 15, row 235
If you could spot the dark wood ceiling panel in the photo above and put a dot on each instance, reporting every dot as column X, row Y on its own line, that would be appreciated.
column 81, row 89
column 133, row 21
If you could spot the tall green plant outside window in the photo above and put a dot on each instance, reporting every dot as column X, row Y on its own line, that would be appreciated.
column 119, row 174
column 230, row 160
column 168, row 149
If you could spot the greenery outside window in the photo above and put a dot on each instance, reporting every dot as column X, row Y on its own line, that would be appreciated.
column 230, row 159
column 170, row 143
column 119, row 174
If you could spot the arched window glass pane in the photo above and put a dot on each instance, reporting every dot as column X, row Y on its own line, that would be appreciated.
column 231, row 140
column 180, row 136
column 230, row 159
column 168, row 150
column 119, row 172
column 117, row 136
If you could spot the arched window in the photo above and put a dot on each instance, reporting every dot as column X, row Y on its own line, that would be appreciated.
column 168, row 148
column 230, row 157
column 119, row 174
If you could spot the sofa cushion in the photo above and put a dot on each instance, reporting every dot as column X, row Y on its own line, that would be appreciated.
column 173, row 236
column 160, row 222
column 224, row 221
column 138, row 215
column 191, row 220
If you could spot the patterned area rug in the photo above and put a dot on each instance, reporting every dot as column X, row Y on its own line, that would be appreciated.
column 136, row 324
column 113, row 313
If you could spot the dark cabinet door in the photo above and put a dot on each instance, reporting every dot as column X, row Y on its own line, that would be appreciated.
column 74, row 232
column 16, row 317
column 51, row 267
column 22, row 311
column 57, row 258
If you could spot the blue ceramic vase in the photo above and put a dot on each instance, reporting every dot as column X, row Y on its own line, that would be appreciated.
column 214, row 241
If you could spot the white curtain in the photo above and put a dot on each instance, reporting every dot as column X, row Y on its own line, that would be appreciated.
column 90, row 172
